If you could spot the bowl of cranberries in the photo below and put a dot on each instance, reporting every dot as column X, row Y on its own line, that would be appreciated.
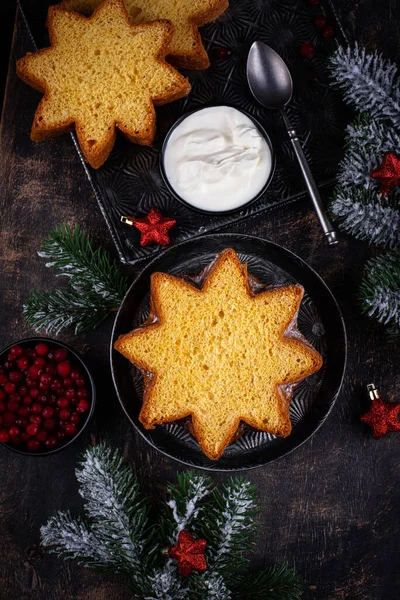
column 47, row 396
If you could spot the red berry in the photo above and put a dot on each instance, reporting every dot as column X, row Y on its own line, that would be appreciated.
column 30, row 382
column 8, row 419
column 14, row 431
column 314, row 2
column 52, row 399
column 64, row 414
column 70, row 429
column 36, row 408
column 35, row 371
column 48, row 412
column 321, row 21
column 222, row 53
column 82, row 393
column 60, row 355
column 35, row 419
column 24, row 411
column 50, row 356
column 15, row 398
column 27, row 400
column 3, row 379
column 80, row 382
column 43, row 399
column 70, row 393
column 15, row 376
column 9, row 388
column 42, row 349
column 61, row 435
column 40, row 361
column 33, row 445
column 4, row 436
column 12, row 406
column 23, row 390
column 75, row 374
column 75, row 418
column 63, row 402
column 16, row 351
column 64, row 369
column 49, row 425
column 41, row 436
column 34, row 393
column 328, row 31
column 21, row 422
column 51, row 442
column 51, row 370
column 43, row 387
column 32, row 429
column 2, row 407
column 83, row 406
column 24, row 436
column 23, row 363
column 2, row 395
column 56, row 385
column 307, row 50
column 67, row 382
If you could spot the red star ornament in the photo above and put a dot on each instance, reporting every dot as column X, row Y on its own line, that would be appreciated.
column 189, row 553
column 154, row 228
column 388, row 173
column 382, row 417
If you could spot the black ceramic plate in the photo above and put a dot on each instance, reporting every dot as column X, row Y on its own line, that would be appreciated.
column 319, row 320
column 130, row 182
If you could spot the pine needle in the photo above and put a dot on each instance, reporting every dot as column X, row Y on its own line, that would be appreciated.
column 281, row 583
column 380, row 290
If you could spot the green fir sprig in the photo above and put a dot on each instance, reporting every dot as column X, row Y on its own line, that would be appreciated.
column 96, row 287
column 116, row 535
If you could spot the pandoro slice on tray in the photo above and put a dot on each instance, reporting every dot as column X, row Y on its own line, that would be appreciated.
column 101, row 74
column 186, row 48
column 220, row 354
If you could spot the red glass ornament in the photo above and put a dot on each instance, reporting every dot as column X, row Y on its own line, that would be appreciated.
column 189, row 553
column 154, row 228
column 382, row 416
column 387, row 173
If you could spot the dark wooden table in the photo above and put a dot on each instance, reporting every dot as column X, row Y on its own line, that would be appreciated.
column 331, row 508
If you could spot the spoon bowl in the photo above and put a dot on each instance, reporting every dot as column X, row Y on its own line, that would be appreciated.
column 269, row 78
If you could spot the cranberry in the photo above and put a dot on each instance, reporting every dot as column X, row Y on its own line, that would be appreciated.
column 27, row 400
column 24, row 411
column 33, row 445
column 222, row 53
column 82, row 393
column 8, row 419
column 307, row 50
column 23, row 390
column 15, row 398
column 328, row 31
column 4, row 436
column 16, row 440
column 61, row 435
column 9, row 364
column 2, row 407
column 36, row 408
column 2, row 395
column 49, row 425
column 21, row 422
column 3, row 379
column 52, row 399
column 48, row 412
column 50, row 356
column 30, row 383
column 51, row 442
column 35, row 371
column 320, row 21
column 63, row 402
column 24, row 436
column 39, row 361
column 314, row 2
column 14, row 431
column 16, row 351
column 70, row 429
column 41, row 436
column 15, row 376
column 50, row 370
column 80, row 382
column 23, row 363
column 42, row 349
column 32, row 429
column 9, row 388
column 34, row 393
column 35, row 419
column 70, row 393
column 75, row 418
column 83, row 406
column 75, row 374
column 43, row 399
column 60, row 355
column 64, row 369
column 67, row 382
column 64, row 414
column 56, row 385
column 12, row 406
column 43, row 387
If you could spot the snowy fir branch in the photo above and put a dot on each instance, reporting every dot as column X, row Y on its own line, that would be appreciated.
column 117, row 536
column 367, row 216
column 369, row 82
column 380, row 290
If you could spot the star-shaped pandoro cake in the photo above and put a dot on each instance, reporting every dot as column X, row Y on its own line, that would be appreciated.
column 186, row 48
column 220, row 354
column 101, row 73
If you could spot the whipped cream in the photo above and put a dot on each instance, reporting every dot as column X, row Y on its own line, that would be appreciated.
column 216, row 159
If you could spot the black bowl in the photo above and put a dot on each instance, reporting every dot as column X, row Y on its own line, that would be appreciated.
column 320, row 321
column 215, row 212
column 31, row 343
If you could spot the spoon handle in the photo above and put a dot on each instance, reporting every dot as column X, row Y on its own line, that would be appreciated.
column 324, row 220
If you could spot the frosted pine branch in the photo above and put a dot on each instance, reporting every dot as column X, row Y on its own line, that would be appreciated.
column 209, row 586
column 380, row 290
column 73, row 539
column 185, row 501
column 115, row 506
column 165, row 584
column 367, row 216
column 368, row 81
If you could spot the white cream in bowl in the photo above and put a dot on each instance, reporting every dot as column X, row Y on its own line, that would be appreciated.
column 216, row 159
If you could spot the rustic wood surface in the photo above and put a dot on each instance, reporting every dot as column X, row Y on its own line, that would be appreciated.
column 331, row 508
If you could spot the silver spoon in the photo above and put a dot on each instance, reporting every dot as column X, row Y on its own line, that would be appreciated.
column 272, row 86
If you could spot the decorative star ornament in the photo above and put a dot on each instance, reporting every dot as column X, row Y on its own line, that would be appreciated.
column 154, row 227
column 387, row 173
column 382, row 416
column 189, row 553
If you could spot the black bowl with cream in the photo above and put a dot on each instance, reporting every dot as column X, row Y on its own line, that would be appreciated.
column 217, row 159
